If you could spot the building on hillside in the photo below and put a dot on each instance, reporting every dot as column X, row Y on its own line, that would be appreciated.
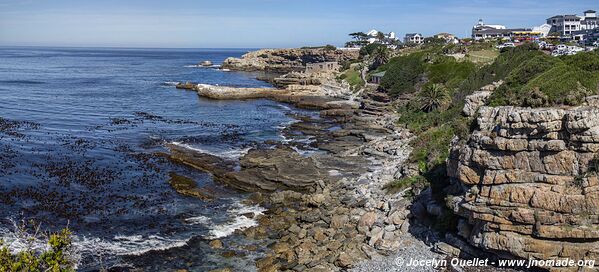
column 482, row 31
column 589, row 20
column 322, row 67
column 587, row 36
column 543, row 30
column 374, row 36
column 449, row 38
column 413, row 38
column 564, row 24
column 376, row 78
column 568, row 25
column 380, row 37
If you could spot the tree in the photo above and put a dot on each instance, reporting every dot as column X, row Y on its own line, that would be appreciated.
column 358, row 36
column 433, row 97
column 380, row 56
column 380, row 36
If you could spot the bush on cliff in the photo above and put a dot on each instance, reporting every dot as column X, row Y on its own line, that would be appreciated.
column 402, row 75
column 369, row 49
column 544, row 81
column 54, row 259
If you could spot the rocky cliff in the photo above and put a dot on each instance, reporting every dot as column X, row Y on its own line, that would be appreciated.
column 526, row 184
column 286, row 60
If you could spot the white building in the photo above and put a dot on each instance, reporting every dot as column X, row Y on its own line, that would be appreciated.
column 414, row 38
column 375, row 36
column 567, row 25
column 482, row 31
column 543, row 29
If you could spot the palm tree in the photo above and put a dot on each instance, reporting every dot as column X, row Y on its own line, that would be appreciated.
column 433, row 97
column 380, row 56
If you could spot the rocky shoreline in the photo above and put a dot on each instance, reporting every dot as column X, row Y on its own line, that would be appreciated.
column 329, row 210
column 286, row 60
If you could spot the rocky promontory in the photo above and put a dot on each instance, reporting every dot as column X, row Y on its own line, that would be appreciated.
column 525, row 183
column 286, row 60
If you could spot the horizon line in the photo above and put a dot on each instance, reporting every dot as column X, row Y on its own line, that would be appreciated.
column 133, row 47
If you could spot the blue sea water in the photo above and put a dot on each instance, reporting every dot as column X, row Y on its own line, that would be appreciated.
column 78, row 130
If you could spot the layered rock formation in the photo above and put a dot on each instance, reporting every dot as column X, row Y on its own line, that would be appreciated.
column 286, row 60
column 527, row 182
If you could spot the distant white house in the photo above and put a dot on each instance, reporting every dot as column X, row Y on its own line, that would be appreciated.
column 414, row 38
column 449, row 38
column 375, row 36
column 543, row 29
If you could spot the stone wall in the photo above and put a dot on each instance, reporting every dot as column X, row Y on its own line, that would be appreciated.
column 524, row 184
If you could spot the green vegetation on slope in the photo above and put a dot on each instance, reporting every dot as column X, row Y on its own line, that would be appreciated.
column 531, row 78
column 353, row 77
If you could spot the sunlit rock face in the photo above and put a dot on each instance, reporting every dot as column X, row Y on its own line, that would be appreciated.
column 525, row 183
column 286, row 60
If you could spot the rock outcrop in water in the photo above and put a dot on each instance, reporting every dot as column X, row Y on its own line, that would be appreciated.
column 528, row 182
column 286, row 60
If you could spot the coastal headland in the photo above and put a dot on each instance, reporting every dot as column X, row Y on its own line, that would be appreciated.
column 509, row 187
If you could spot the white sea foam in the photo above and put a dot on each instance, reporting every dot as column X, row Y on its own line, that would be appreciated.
column 229, row 154
column 94, row 246
column 137, row 244
column 239, row 222
column 126, row 245
column 197, row 220
column 201, row 66
column 170, row 83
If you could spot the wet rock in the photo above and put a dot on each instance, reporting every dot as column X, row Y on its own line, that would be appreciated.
column 188, row 187
column 216, row 244
column 229, row 254
column 223, row 270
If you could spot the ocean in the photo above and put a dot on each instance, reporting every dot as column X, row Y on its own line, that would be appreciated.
column 80, row 130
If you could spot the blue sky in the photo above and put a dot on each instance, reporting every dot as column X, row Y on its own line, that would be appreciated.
column 254, row 23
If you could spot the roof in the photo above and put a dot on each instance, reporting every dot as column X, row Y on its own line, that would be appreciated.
column 412, row 34
column 590, row 11
column 564, row 17
column 379, row 74
column 500, row 31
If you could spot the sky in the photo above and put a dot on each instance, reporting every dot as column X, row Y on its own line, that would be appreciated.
column 254, row 23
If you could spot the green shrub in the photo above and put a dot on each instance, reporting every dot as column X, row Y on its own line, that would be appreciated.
column 55, row 259
column 449, row 72
column 402, row 75
column 434, row 96
column 546, row 81
column 405, row 182
column 353, row 77
column 369, row 49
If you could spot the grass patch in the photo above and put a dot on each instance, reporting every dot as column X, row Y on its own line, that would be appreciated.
column 539, row 80
column 484, row 56
column 353, row 77
column 397, row 186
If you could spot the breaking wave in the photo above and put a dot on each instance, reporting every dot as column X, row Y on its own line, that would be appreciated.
column 229, row 154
